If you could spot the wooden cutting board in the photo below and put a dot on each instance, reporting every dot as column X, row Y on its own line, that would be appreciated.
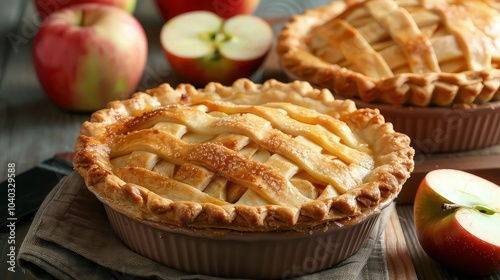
column 399, row 263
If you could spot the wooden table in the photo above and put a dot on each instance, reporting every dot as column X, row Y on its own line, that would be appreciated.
column 32, row 129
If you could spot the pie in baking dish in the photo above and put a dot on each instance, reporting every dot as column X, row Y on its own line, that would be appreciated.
column 250, row 157
column 405, row 52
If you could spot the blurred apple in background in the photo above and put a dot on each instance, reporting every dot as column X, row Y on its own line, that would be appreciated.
column 203, row 47
column 46, row 7
column 457, row 220
column 87, row 55
column 223, row 8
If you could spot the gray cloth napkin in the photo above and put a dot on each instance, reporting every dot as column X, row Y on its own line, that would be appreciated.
column 71, row 238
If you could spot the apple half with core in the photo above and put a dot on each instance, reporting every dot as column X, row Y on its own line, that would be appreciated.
column 203, row 47
column 88, row 55
column 457, row 220
column 47, row 7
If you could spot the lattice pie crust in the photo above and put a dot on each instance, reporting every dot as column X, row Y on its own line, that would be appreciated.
column 250, row 157
column 405, row 52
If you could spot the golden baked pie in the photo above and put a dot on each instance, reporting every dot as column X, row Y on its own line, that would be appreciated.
column 405, row 52
column 250, row 157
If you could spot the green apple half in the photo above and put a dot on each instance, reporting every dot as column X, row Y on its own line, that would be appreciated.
column 203, row 47
column 457, row 220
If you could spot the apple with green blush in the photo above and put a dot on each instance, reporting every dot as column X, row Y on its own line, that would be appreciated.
column 457, row 221
column 88, row 55
column 47, row 7
column 223, row 8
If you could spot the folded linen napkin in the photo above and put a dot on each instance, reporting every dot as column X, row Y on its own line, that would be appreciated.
column 71, row 238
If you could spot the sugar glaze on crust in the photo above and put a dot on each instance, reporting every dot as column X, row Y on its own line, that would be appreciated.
column 249, row 157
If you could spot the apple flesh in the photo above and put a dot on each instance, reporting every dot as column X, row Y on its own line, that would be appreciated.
column 223, row 8
column 47, row 7
column 203, row 47
column 88, row 55
column 457, row 220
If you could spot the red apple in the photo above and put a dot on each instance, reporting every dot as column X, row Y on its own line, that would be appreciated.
column 203, row 47
column 457, row 220
column 224, row 8
column 46, row 7
column 87, row 55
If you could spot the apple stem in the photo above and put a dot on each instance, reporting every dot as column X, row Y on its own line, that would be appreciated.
column 482, row 209
column 450, row 206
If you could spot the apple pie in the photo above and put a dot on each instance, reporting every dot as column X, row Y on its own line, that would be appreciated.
column 247, row 157
column 442, row 53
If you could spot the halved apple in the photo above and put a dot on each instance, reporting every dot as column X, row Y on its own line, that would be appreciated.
column 457, row 220
column 203, row 47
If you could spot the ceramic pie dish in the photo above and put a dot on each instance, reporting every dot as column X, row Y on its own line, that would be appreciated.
column 249, row 255
column 241, row 161
column 410, row 54
column 440, row 129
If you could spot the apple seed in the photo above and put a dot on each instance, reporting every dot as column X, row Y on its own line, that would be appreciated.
column 217, row 38
column 485, row 210
column 221, row 37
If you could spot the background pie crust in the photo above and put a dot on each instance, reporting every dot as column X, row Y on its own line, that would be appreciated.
column 439, row 53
